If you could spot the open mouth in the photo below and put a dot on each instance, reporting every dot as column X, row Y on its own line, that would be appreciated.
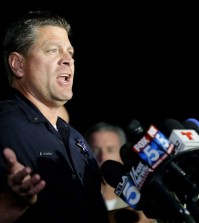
column 63, row 78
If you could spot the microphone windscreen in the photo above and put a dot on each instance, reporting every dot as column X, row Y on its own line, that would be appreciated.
column 135, row 127
column 128, row 156
column 112, row 171
column 135, row 130
column 169, row 125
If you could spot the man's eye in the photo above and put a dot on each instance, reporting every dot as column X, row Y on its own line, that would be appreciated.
column 71, row 53
column 52, row 50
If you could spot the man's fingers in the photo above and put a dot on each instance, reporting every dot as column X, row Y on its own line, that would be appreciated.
column 21, row 175
column 12, row 163
column 33, row 185
column 29, row 189
column 9, row 156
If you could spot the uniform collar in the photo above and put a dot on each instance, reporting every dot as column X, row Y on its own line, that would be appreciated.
column 31, row 111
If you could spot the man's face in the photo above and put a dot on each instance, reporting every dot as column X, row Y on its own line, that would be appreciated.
column 106, row 146
column 48, row 69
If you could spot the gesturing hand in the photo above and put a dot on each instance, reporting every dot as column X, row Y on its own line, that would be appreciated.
column 20, row 180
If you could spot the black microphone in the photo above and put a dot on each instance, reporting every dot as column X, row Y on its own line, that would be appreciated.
column 168, row 125
column 135, row 130
column 115, row 175
column 152, row 148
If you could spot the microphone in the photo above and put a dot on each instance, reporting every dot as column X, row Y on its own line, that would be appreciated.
column 191, row 123
column 152, row 146
column 151, row 149
column 135, row 131
column 156, row 148
column 115, row 175
column 183, row 139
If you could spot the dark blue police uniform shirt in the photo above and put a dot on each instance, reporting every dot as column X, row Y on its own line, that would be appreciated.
column 62, row 158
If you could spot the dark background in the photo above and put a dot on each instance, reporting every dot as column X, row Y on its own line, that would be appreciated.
column 132, row 61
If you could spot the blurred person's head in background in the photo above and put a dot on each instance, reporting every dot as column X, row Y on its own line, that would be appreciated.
column 106, row 140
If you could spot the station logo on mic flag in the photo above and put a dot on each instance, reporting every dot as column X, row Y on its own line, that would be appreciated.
column 184, row 139
column 154, row 147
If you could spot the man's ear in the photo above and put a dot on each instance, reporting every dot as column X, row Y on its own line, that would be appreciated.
column 16, row 64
